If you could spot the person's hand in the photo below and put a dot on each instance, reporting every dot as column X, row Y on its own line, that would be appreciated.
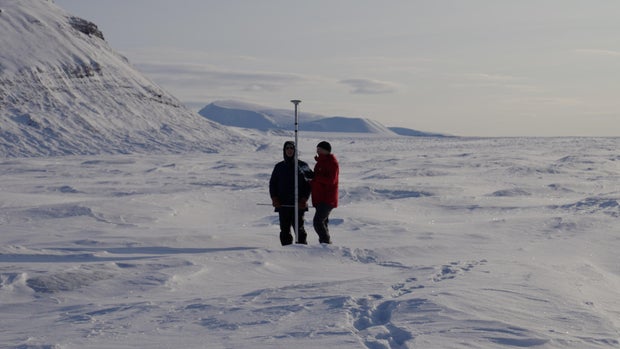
column 275, row 202
column 303, row 204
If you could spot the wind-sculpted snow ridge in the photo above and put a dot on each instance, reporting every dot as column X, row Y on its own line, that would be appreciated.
column 438, row 243
column 64, row 91
column 610, row 206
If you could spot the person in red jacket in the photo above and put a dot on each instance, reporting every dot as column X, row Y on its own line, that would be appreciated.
column 324, row 189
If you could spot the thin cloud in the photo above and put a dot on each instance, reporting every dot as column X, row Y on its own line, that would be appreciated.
column 492, row 77
column 367, row 86
column 491, row 80
column 196, row 75
column 597, row 52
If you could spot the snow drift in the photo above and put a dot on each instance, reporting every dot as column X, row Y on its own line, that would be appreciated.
column 438, row 243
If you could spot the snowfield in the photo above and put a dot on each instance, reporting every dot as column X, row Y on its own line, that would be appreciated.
column 438, row 243
column 154, row 228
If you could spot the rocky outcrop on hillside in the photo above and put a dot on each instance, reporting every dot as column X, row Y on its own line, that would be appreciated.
column 86, row 27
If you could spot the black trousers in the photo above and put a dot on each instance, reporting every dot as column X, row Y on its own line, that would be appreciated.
column 321, row 221
column 287, row 220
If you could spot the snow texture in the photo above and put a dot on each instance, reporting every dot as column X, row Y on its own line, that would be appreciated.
column 127, row 221
column 438, row 243
column 64, row 91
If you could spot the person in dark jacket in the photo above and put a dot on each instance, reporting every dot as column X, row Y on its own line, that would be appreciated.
column 282, row 192
column 324, row 189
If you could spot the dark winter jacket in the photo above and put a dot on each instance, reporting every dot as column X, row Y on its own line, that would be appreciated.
column 282, row 182
column 325, row 181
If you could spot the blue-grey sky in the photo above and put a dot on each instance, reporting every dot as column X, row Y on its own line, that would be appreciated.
column 464, row 67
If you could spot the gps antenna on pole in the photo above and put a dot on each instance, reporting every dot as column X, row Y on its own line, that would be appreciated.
column 296, row 171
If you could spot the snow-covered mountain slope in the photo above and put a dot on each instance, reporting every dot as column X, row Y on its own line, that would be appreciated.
column 344, row 124
column 63, row 90
column 254, row 116
column 415, row 133
column 258, row 117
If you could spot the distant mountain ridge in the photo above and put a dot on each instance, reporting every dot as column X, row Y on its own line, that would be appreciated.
column 64, row 91
column 252, row 116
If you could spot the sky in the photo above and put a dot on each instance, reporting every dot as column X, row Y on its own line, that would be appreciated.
column 468, row 68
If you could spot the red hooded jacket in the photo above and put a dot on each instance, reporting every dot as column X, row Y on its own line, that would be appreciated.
column 325, row 181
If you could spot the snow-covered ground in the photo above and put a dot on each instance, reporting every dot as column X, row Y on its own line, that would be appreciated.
column 438, row 243
column 65, row 91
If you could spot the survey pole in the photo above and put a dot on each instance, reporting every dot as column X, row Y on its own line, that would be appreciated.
column 296, row 170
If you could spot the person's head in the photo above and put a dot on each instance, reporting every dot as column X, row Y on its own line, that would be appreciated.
column 289, row 150
column 324, row 148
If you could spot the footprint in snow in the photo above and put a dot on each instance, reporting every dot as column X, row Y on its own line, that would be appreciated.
column 452, row 270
